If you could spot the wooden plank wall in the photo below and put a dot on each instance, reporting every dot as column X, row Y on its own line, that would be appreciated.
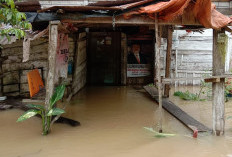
column 191, row 55
column 17, row 70
column 80, row 69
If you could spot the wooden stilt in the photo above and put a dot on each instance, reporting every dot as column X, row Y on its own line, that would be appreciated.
column 168, row 60
column 53, row 35
column 158, row 69
column 219, row 53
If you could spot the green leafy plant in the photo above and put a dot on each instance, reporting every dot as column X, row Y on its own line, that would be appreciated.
column 10, row 16
column 46, row 114
column 228, row 89
column 188, row 96
column 205, row 89
column 157, row 134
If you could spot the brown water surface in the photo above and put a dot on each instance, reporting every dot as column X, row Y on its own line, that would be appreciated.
column 112, row 121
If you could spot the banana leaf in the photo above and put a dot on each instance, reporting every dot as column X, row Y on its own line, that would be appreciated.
column 28, row 114
column 57, row 95
column 55, row 112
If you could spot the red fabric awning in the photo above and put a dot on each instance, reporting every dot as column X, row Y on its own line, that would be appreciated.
column 203, row 10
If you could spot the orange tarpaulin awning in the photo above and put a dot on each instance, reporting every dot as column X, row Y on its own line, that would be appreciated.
column 202, row 10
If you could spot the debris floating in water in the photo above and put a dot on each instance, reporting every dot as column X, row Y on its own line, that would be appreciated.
column 157, row 134
column 195, row 133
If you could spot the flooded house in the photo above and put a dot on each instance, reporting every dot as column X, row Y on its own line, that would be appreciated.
column 106, row 52
column 120, row 43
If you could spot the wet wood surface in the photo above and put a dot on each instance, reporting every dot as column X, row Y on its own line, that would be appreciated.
column 177, row 112
column 168, row 60
column 220, row 40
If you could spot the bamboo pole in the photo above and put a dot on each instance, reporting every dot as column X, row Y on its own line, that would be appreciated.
column 158, row 69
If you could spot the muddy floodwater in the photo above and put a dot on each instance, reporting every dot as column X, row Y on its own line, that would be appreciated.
column 112, row 121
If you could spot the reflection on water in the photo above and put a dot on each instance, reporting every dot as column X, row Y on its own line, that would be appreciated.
column 112, row 121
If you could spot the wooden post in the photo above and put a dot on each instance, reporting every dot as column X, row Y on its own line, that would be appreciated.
column 123, row 59
column 219, row 52
column 53, row 35
column 168, row 60
column 158, row 68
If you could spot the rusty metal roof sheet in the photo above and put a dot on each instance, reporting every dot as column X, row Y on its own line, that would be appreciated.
column 113, row 3
column 28, row 6
column 79, row 8
column 202, row 11
column 112, row 6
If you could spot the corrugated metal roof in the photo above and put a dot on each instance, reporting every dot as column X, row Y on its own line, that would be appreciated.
column 202, row 11
column 109, row 6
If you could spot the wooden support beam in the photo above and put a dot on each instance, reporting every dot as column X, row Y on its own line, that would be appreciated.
column 173, row 80
column 213, row 79
column 218, row 78
column 120, row 20
column 53, row 35
column 168, row 60
column 219, row 52
column 158, row 69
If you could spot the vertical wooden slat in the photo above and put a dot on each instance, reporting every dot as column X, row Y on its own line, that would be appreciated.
column 168, row 60
column 158, row 69
column 176, row 58
column 123, row 59
column 219, row 53
column 53, row 35
column 74, row 64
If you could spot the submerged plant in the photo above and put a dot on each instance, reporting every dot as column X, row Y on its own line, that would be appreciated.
column 46, row 114
column 228, row 89
column 188, row 96
column 205, row 89
column 157, row 134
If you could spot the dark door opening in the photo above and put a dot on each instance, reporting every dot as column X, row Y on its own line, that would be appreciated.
column 104, row 53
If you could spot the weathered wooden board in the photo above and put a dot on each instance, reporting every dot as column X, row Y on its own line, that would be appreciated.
column 80, row 67
column 10, row 88
column 123, row 58
column 38, row 58
column 168, row 59
column 218, row 88
column 11, row 78
column 81, row 54
column 19, row 43
column 174, row 110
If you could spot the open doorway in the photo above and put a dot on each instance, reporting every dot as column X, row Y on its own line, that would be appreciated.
column 104, row 53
